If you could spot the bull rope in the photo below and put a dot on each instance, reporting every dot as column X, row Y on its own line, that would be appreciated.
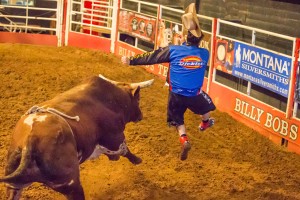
column 121, row 151
column 35, row 109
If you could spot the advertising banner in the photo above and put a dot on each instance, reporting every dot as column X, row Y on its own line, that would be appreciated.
column 270, row 122
column 137, row 25
column 298, row 84
column 266, row 69
column 168, row 33
column 224, row 55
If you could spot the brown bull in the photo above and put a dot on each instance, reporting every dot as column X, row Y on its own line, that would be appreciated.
column 52, row 139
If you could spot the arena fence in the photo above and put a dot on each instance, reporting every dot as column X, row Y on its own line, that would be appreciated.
column 31, row 17
column 253, row 74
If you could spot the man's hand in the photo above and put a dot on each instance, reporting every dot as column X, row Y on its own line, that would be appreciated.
column 125, row 60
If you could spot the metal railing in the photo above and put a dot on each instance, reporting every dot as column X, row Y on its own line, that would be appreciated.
column 28, row 19
column 93, row 17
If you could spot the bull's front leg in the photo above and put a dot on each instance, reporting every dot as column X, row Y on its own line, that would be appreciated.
column 113, row 157
column 123, row 150
column 132, row 158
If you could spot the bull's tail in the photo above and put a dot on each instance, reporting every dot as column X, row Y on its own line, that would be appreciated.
column 24, row 163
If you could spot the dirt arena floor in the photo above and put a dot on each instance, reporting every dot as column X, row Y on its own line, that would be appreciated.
column 228, row 161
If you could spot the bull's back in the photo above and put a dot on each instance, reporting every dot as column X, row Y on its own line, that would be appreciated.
column 98, row 103
column 90, row 95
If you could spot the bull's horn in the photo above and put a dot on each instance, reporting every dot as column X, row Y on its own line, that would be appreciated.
column 132, row 85
column 113, row 82
column 142, row 84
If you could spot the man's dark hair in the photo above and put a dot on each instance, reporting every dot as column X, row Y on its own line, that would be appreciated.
column 193, row 40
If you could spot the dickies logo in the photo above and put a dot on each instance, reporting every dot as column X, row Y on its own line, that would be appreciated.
column 191, row 62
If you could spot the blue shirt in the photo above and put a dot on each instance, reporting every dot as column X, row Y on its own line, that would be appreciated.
column 187, row 66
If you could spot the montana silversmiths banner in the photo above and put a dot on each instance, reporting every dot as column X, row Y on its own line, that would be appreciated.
column 263, row 68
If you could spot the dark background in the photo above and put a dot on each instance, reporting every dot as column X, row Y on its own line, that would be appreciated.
column 279, row 16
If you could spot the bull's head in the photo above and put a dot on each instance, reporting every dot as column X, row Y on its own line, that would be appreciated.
column 134, row 90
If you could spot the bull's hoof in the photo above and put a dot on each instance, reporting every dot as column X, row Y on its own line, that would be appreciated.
column 136, row 160
column 113, row 157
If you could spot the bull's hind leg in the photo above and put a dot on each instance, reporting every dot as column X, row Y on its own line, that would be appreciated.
column 57, row 159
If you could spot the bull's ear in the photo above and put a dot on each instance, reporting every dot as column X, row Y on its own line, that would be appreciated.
column 136, row 92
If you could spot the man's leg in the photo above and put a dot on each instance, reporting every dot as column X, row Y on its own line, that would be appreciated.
column 186, row 146
column 175, row 117
column 206, row 122
column 206, row 116
column 200, row 104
